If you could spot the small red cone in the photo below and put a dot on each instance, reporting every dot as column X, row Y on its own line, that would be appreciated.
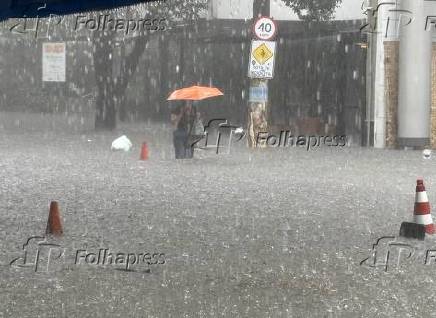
column 421, row 214
column 144, row 152
column 54, row 224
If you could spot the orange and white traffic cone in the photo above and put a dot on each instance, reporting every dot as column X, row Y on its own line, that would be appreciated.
column 144, row 152
column 421, row 214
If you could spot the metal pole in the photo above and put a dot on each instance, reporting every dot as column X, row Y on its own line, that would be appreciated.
column 370, row 69
column 260, row 8
column 379, row 111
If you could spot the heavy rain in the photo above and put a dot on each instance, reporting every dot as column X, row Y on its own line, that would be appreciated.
column 217, row 158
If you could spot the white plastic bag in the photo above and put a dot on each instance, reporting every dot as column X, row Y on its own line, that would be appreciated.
column 122, row 143
column 426, row 154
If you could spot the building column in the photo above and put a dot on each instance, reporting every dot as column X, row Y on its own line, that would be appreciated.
column 414, row 78
column 379, row 109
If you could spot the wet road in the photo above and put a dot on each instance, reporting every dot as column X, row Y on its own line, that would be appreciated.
column 264, row 233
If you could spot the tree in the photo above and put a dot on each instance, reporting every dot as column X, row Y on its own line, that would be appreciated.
column 313, row 10
column 111, row 87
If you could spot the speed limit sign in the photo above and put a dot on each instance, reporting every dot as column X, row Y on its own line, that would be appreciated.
column 265, row 28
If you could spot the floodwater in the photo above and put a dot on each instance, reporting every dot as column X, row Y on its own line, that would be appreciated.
column 276, row 232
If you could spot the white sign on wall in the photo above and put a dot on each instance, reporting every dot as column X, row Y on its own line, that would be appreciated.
column 262, row 57
column 53, row 62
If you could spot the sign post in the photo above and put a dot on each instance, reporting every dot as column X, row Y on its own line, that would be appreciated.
column 260, row 70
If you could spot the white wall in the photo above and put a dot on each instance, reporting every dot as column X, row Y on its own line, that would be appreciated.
column 243, row 9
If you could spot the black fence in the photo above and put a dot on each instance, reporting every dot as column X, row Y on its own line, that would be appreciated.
column 319, row 73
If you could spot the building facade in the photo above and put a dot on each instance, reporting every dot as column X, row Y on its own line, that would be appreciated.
column 401, row 61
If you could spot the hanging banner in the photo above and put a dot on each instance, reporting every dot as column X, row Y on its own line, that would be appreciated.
column 53, row 62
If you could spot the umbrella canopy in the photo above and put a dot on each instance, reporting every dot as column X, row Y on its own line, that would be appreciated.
column 195, row 93
column 38, row 8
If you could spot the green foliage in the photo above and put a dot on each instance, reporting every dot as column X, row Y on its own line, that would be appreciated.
column 173, row 10
column 313, row 10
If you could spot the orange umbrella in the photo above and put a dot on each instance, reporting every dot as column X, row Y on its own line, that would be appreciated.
column 195, row 93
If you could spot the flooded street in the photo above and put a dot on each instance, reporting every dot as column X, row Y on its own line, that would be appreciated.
column 256, row 233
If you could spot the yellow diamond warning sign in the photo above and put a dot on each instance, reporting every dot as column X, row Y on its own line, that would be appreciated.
column 262, row 54
column 262, row 59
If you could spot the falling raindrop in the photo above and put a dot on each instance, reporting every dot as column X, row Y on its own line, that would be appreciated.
column 355, row 74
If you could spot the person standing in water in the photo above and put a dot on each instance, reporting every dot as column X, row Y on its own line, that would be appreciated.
column 183, row 119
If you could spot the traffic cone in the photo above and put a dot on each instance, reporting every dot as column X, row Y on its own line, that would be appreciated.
column 144, row 151
column 54, row 224
column 421, row 214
